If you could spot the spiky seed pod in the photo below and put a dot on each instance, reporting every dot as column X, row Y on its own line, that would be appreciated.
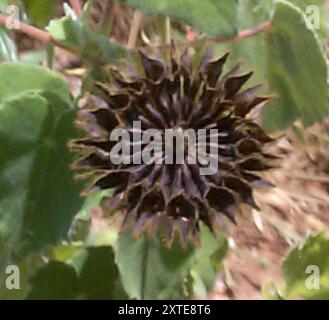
column 180, row 96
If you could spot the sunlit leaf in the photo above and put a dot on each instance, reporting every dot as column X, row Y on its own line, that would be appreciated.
column 306, row 269
column 150, row 270
column 38, row 194
column 209, row 16
column 297, row 71
column 93, row 47
column 40, row 11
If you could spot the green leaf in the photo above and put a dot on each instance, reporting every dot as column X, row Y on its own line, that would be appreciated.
column 98, row 274
column 80, row 227
column 39, row 196
column 93, row 47
column 55, row 281
column 80, row 273
column 208, row 257
column 17, row 79
column 307, row 6
column 63, row 252
column 150, row 270
column 297, row 71
column 40, row 11
column 27, row 267
column 299, row 269
column 210, row 16
column 251, row 13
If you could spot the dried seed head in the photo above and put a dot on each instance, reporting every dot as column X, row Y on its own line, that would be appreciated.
column 176, row 196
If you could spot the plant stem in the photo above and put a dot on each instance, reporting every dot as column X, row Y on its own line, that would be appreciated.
column 35, row 33
column 44, row 36
column 168, row 31
column 240, row 36
column 135, row 27
column 76, row 5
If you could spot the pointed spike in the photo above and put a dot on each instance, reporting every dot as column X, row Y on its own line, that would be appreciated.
column 254, row 163
column 214, row 69
column 231, row 73
column 261, row 183
column 218, row 220
column 119, row 102
column 207, row 56
column 243, row 109
column 234, row 84
column 251, row 201
column 154, row 69
column 229, row 212
column 248, row 95
column 141, row 224
column 255, row 181
column 184, row 230
column 247, row 146
column 186, row 61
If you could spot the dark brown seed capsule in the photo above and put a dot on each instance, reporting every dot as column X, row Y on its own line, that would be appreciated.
column 176, row 197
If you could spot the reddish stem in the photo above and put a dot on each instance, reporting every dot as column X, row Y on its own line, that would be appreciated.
column 240, row 36
column 252, row 32
column 33, row 32
column 46, row 37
